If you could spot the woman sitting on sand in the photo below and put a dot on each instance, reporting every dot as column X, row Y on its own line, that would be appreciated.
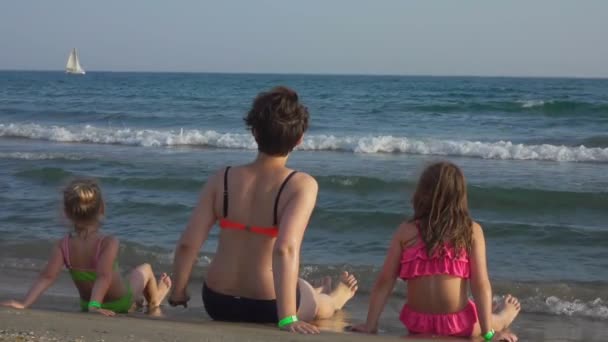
column 440, row 252
column 262, row 209
column 92, row 259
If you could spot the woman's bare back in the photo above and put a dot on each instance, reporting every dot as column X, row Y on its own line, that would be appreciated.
column 242, row 265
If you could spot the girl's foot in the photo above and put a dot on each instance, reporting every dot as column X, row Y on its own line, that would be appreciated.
column 164, row 285
column 323, row 285
column 345, row 290
column 139, row 304
column 510, row 310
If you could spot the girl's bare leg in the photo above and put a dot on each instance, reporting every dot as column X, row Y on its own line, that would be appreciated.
column 335, row 300
column 502, row 319
column 322, row 303
column 323, row 285
column 144, row 285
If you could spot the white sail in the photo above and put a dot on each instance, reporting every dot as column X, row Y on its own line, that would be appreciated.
column 71, row 62
column 73, row 65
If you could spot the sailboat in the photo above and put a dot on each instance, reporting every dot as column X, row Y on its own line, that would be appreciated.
column 73, row 65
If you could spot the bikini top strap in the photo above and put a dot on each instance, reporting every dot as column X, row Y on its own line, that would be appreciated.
column 98, row 251
column 276, row 201
column 65, row 250
column 226, row 192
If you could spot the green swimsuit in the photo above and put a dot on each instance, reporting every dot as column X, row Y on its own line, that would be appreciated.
column 122, row 305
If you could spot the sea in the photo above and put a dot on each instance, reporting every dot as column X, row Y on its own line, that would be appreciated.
column 534, row 151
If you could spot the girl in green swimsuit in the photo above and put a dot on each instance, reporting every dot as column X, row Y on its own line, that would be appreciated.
column 91, row 259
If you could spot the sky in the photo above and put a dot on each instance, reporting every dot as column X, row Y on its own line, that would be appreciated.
column 418, row 37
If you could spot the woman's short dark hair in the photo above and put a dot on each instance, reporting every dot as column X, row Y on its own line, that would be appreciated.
column 277, row 120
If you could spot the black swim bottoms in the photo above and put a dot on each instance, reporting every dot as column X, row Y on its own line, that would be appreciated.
column 228, row 308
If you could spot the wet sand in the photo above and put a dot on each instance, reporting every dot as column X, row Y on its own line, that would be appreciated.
column 43, row 325
column 56, row 317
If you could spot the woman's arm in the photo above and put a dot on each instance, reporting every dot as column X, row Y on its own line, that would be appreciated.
column 45, row 280
column 286, row 253
column 480, row 282
column 384, row 284
column 201, row 220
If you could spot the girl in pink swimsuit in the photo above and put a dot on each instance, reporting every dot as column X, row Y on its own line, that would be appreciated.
column 441, row 253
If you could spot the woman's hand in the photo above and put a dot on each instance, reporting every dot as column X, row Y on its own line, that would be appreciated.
column 363, row 328
column 104, row 312
column 13, row 304
column 177, row 299
column 301, row 327
column 505, row 336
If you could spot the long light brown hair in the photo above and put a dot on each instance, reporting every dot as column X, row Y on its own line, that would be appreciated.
column 441, row 207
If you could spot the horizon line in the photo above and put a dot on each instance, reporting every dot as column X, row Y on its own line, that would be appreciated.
column 316, row 74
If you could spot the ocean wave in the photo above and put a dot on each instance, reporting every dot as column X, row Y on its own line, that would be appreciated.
column 46, row 175
column 127, row 136
column 371, row 144
column 550, row 108
column 155, row 183
column 38, row 156
column 596, row 308
column 522, row 210
column 531, row 103
column 481, row 196
column 595, row 141
column 58, row 175
column 363, row 184
column 556, row 298
column 565, row 108
column 535, row 232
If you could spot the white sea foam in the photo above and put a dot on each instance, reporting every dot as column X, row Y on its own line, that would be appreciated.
column 531, row 103
column 593, row 309
column 36, row 156
column 359, row 144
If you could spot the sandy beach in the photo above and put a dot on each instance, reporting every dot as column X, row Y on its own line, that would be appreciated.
column 55, row 317
column 156, row 103
column 47, row 325
column 42, row 325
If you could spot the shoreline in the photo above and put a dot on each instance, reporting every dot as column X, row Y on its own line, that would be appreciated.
column 43, row 325
column 56, row 317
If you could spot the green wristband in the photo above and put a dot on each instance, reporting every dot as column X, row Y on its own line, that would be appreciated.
column 95, row 304
column 489, row 335
column 287, row 321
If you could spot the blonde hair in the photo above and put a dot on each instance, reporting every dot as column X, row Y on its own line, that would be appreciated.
column 442, row 209
column 82, row 202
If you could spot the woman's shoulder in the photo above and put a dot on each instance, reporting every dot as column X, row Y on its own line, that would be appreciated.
column 216, row 177
column 219, row 173
column 301, row 184
column 304, row 179
column 298, row 180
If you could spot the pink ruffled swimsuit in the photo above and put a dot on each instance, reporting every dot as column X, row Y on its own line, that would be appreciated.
column 416, row 263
